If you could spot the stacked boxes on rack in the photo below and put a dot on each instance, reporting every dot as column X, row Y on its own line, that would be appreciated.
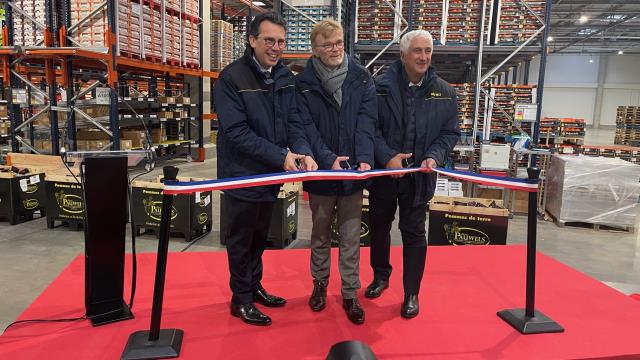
column 92, row 32
column 5, row 125
column 152, row 32
column 25, row 33
column 427, row 15
column 628, row 125
column 466, row 104
column 191, row 43
column 129, row 27
column 239, row 36
column 375, row 22
column 506, row 97
column 172, row 34
column 563, row 134
column 463, row 21
column 516, row 23
column 299, row 26
column 221, row 44
column 192, row 8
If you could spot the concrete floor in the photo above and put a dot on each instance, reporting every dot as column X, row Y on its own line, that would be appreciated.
column 32, row 255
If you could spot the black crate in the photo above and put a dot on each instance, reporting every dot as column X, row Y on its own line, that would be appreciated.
column 467, row 225
column 21, row 197
column 65, row 204
column 283, row 228
column 189, row 218
column 365, row 236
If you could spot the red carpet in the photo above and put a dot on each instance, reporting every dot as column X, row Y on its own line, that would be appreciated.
column 462, row 290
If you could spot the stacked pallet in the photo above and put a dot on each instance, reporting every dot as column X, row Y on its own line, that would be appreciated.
column 172, row 37
column 299, row 26
column 221, row 44
column 239, row 36
column 427, row 15
column 466, row 104
column 463, row 21
column 375, row 22
column 516, row 23
column 506, row 97
column 129, row 28
column 152, row 30
column 192, row 43
column 25, row 33
column 92, row 32
column 628, row 125
column 192, row 8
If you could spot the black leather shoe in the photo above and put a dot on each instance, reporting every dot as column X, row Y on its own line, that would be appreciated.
column 376, row 288
column 262, row 297
column 355, row 312
column 318, row 299
column 410, row 307
column 250, row 314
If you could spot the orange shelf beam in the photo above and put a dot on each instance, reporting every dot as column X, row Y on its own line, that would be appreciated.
column 213, row 116
column 296, row 55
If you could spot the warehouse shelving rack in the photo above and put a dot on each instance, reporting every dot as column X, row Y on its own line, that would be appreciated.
column 61, row 62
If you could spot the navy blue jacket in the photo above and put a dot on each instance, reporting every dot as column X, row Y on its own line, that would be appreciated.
column 346, row 130
column 437, row 130
column 258, row 121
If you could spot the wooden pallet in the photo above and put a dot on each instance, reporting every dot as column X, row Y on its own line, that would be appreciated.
column 586, row 225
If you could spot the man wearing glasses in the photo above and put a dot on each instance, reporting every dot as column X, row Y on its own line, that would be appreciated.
column 258, row 124
column 417, row 126
column 337, row 95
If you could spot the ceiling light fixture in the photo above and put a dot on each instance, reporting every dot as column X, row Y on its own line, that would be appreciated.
column 258, row 3
column 620, row 52
column 550, row 38
column 583, row 19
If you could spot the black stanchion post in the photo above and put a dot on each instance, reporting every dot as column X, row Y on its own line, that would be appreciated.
column 157, row 343
column 529, row 320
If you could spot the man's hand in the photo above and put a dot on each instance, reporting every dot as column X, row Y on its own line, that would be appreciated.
column 364, row 167
column 336, row 163
column 396, row 163
column 308, row 164
column 290, row 161
column 429, row 163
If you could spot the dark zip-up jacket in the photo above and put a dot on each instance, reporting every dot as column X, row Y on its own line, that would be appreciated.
column 436, row 131
column 345, row 130
column 258, row 120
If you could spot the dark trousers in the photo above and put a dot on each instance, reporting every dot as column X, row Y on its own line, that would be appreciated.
column 247, row 237
column 385, row 196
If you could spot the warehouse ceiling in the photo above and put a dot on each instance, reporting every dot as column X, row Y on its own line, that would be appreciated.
column 595, row 26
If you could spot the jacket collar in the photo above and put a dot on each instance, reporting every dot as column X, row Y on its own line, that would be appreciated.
column 389, row 82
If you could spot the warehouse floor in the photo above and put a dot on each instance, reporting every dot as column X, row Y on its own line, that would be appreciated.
column 32, row 255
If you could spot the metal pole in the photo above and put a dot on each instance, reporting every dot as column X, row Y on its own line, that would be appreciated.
column 476, row 106
column 410, row 20
column 532, row 218
column 50, row 71
column 113, row 83
column 541, row 75
column 527, row 67
column 201, row 153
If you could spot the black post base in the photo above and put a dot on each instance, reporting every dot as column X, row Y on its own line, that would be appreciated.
column 538, row 324
column 167, row 346
column 112, row 316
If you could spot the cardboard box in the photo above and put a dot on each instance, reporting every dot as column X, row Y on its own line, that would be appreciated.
column 137, row 137
column 158, row 135
column 467, row 221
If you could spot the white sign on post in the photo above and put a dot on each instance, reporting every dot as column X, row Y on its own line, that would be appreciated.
column 103, row 96
column 526, row 112
column 19, row 96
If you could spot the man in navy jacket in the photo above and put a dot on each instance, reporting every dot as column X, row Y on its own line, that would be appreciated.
column 417, row 126
column 259, row 132
column 338, row 95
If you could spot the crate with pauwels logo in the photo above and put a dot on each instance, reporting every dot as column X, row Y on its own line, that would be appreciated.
column 62, row 199
column 190, row 214
column 283, row 226
column 467, row 221
column 65, row 202
column 22, row 193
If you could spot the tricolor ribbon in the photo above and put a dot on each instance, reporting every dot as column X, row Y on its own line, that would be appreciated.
column 174, row 187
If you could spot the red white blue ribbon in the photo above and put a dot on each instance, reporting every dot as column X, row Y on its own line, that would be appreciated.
column 174, row 187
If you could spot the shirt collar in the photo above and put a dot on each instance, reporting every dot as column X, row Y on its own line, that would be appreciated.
column 260, row 66
column 418, row 84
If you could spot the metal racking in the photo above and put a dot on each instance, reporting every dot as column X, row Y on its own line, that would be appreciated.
column 73, row 65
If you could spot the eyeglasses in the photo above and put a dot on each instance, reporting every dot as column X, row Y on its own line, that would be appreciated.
column 271, row 42
column 338, row 45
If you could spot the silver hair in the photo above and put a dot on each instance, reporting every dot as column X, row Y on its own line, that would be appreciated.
column 406, row 39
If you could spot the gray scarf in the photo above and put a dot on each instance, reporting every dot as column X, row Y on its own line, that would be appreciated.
column 332, row 80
